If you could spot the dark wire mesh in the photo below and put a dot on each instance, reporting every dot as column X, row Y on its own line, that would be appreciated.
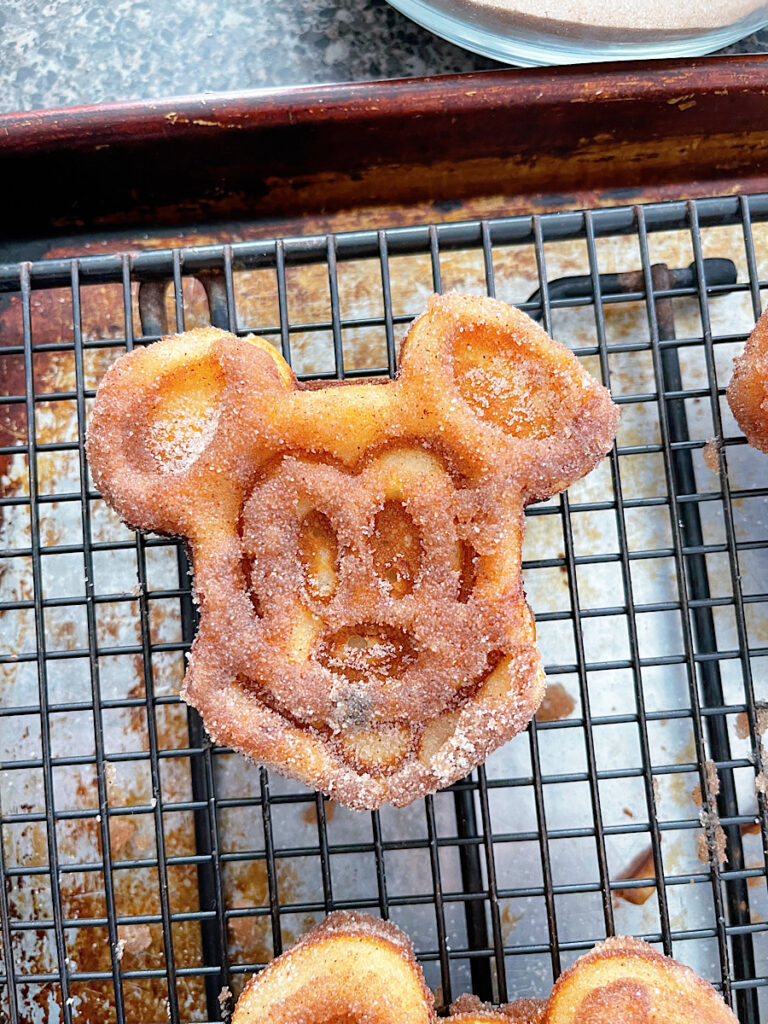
column 159, row 898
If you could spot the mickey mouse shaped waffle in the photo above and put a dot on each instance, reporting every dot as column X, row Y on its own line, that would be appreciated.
column 356, row 548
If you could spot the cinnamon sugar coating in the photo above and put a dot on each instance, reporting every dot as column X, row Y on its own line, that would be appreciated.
column 625, row 979
column 748, row 390
column 356, row 549
column 353, row 967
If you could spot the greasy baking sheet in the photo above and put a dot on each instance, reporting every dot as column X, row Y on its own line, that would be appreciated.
column 351, row 878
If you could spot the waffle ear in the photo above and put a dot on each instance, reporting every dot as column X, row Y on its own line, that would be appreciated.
column 350, row 967
column 524, row 398
column 625, row 979
column 171, row 418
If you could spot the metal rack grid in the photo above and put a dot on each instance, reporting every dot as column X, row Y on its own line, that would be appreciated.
column 201, row 948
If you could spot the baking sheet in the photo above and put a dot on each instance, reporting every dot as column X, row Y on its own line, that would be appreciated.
column 132, row 826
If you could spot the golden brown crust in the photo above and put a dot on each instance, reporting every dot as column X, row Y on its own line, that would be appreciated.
column 350, row 967
column 748, row 390
column 357, row 550
column 625, row 979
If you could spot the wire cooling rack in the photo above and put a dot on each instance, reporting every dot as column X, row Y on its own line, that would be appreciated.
column 147, row 873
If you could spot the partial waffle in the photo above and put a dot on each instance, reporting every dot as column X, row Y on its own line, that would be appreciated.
column 748, row 391
column 356, row 549
column 358, row 968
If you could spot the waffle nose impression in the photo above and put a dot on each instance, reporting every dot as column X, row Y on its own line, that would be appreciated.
column 360, row 653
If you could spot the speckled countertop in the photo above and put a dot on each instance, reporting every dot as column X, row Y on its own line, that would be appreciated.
column 68, row 52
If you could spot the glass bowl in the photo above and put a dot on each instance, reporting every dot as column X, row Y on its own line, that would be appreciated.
column 534, row 32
